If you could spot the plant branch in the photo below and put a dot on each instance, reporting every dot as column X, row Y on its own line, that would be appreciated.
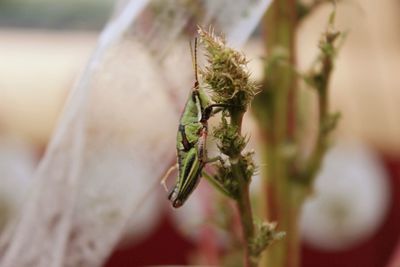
column 304, row 10
column 318, row 78
column 238, row 162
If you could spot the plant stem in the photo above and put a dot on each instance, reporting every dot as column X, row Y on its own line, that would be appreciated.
column 229, row 79
column 243, row 201
column 326, row 121
column 278, row 131
column 246, row 219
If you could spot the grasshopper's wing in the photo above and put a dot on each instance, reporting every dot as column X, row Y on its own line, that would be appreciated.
column 189, row 176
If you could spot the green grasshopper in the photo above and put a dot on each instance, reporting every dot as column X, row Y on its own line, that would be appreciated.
column 191, row 141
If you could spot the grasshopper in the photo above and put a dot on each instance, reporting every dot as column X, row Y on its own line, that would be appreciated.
column 191, row 140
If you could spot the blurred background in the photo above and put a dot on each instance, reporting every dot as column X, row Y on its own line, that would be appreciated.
column 353, row 217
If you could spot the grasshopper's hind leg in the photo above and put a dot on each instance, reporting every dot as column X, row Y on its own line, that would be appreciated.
column 167, row 174
column 216, row 183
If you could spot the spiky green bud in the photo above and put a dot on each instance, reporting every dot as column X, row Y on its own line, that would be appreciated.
column 226, row 74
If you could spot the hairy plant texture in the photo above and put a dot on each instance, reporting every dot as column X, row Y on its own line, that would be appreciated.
column 226, row 73
column 230, row 84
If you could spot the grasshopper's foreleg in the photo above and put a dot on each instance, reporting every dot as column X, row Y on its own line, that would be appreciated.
column 167, row 174
column 213, row 109
column 216, row 111
column 217, row 105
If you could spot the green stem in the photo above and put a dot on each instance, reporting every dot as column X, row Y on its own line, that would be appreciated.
column 327, row 122
column 227, row 75
column 315, row 161
column 246, row 219
column 243, row 201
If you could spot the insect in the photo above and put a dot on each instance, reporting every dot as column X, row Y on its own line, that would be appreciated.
column 191, row 141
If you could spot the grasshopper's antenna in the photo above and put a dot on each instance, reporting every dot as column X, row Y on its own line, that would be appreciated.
column 194, row 62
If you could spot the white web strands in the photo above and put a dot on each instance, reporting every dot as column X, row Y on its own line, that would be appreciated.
column 116, row 135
